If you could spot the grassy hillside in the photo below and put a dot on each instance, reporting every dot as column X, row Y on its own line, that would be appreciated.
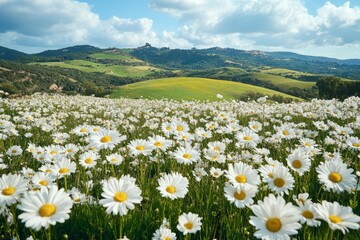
column 113, row 56
column 283, row 82
column 189, row 88
column 117, row 70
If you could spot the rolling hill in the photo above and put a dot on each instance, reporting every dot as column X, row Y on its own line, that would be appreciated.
column 188, row 88
column 86, row 69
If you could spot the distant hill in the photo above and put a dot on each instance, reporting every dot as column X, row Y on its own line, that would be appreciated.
column 70, row 51
column 291, row 55
column 10, row 54
column 77, row 68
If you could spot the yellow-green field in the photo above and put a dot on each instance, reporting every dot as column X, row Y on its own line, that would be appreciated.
column 189, row 88
column 115, row 56
column 88, row 66
column 283, row 82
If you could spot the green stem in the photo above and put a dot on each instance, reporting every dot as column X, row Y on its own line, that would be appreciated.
column 65, row 179
column 330, row 234
column 49, row 233
column 121, row 227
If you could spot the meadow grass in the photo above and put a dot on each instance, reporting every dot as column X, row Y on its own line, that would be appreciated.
column 115, row 56
column 283, row 82
column 88, row 66
column 187, row 88
column 48, row 123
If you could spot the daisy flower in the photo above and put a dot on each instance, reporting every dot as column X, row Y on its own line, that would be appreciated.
column 353, row 143
column 274, row 218
column 114, row 159
column 11, row 188
column 42, row 179
column 216, row 172
column 299, row 161
column 241, row 196
column 189, row 223
column 159, row 142
column 64, row 167
column 173, row 185
column 45, row 207
column 186, row 155
column 337, row 216
column 241, row 173
column 139, row 146
column 247, row 138
column 281, row 181
column 14, row 151
column 308, row 214
column 164, row 232
column 88, row 159
column 336, row 176
column 106, row 139
column 120, row 195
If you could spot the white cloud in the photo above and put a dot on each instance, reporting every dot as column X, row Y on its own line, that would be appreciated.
column 61, row 23
column 255, row 24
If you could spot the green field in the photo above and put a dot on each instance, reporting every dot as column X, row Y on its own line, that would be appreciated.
column 189, row 88
column 115, row 56
column 117, row 70
column 283, row 82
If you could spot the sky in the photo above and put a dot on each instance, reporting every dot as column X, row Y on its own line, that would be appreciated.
column 311, row 27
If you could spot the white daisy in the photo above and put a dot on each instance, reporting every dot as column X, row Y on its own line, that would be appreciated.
column 274, row 218
column 337, row 216
column 120, row 195
column 336, row 176
column 281, row 181
column 45, row 207
column 241, row 196
column 11, row 188
column 173, row 185
column 241, row 173
column 189, row 223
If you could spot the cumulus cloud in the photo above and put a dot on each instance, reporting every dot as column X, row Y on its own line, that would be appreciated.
column 261, row 24
column 61, row 23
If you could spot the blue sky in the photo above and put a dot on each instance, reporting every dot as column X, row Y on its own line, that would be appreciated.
column 312, row 27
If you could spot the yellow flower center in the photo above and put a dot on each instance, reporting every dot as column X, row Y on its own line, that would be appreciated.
column 216, row 149
column 120, row 197
column 167, row 238
column 356, row 145
column 48, row 170
column 187, row 156
column 52, row 152
column 83, row 130
column 105, row 139
column 255, row 127
column 63, row 170
column 88, row 161
column 285, row 132
column 168, row 128
column 241, row 178
column 239, row 196
column 188, row 225
column 140, row 148
column 271, row 175
column 297, row 164
column 279, row 182
column 335, row 219
column 8, row 191
column 158, row 144
column 273, row 224
column 171, row 189
column 47, row 210
column 307, row 144
column 114, row 160
column 247, row 138
column 179, row 128
column 43, row 182
column 335, row 177
column 308, row 214
column 13, row 151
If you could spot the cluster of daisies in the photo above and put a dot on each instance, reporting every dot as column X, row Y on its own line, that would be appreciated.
column 55, row 149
